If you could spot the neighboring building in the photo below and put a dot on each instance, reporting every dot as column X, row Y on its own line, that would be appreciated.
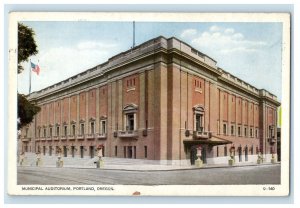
column 158, row 101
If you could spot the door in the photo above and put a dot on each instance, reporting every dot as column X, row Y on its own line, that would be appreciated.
column 81, row 151
column 50, row 150
column 92, row 151
column 193, row 155
column 130, row 152
column 65, row 151
column 246, row 153
column 240, row 154
column 73, row 151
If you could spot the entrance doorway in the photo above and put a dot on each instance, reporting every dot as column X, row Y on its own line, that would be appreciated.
column 92, row 151
column 81, row 151
column 240, row 153
column 193, row 155
column 246, row 153
column 73, row 151
column 65, row 151
column 129, row 151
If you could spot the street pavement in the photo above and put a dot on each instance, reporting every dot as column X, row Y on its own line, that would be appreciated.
column 250, row 174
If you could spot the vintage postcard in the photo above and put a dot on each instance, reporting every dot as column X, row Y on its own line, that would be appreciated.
column 150, row 104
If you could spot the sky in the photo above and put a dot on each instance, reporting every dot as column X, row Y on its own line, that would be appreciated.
column 250, row 51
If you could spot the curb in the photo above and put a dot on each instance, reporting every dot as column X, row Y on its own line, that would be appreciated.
column 176, row 169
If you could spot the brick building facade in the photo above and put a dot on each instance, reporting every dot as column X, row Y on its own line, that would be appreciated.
column 158, row 101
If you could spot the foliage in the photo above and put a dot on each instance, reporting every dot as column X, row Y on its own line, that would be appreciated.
column 26, row 111
column 26, row 48
column 26, row 44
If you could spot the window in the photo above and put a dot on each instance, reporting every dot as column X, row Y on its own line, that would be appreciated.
column 251, row 132
column 232, row 130
column 130, row 122
column 217, row 151
column 256, row 133
column 124, row 151
column 116, row 151
column 92, row 127
column 57, row 131
column 199, row 122
column 225, row 150
column 44, row 132
column 271, row 131
column 239, row 131
column 82, row 129
column 66, row 130
column 50, row 131
column 145, row 151
column 245, row 131
column 103, row 127
column 39, row 132
column 224, row 129
column 73, row 130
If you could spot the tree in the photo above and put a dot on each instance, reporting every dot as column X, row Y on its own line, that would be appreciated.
column 26, row 111
column 26, row 44
column 26, row 48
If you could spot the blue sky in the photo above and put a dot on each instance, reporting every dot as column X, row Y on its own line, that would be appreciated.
column 250, row 51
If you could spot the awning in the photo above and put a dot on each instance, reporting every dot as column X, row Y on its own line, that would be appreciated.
column 213, row 141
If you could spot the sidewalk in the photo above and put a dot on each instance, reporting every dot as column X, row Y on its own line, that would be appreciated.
column 128, row 166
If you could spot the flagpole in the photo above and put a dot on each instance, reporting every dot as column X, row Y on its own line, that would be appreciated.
column 29, row 76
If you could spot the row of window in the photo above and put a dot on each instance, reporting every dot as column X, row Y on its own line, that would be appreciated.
column 239, row 131
column 102, row 130
column 128, row 151
column 130, row 125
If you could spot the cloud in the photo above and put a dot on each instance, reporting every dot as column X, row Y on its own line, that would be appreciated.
column 60, row 63
column 214, row 28
column 188, row 33
column 94, row 45
column 225, row 41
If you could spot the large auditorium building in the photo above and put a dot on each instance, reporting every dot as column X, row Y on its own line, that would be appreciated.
column 159, row 101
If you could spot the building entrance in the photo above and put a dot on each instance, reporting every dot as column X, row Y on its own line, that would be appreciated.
column 246, row 153
column 81, row 151
column 193, row 155
column 129, row 155
column 92, row 151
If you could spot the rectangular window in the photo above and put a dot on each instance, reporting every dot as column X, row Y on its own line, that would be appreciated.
column 103, row 126
column 92, row 127
column 224, row 129
column 116, row 151
column 50, row 132
column 44, row 132
column 199, row 122
column 82, row 129
column 145, row 151
column 225, row 150
column 39, row 133
column 256, row 133
column 251, row 132
column 217, row 151
column 245, row 131
column 73, row 130
column 239, row 131
column 26, row 133
column 124, row 151
column 66, row 130
column 232, row 130
column 57, row 131
column 130, row 121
